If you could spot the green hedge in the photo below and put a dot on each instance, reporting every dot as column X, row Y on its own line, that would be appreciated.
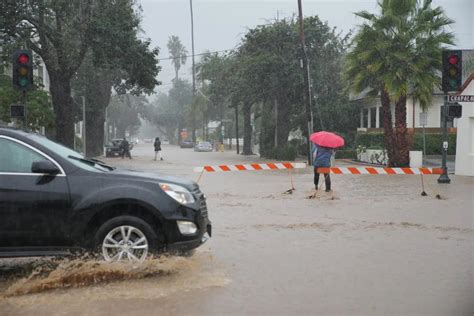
column 370, row 140
column 434, row 142
column 346, row 154
column 281, row 153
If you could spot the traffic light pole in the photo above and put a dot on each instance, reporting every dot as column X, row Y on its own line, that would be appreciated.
column 23, row 100
column 444, row 178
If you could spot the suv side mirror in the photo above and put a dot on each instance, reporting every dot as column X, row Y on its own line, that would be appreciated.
column 44, row 166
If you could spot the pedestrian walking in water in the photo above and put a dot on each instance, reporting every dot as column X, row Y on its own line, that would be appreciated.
column 157, row 146
column 125, row 146
column 322, row 159
column 322, row 151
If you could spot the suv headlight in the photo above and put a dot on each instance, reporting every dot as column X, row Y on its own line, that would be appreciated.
column 177, row 192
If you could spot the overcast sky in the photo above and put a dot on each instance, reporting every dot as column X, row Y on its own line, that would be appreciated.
column 220, row 24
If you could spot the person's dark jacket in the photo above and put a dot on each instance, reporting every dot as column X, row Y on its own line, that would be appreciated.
column 157, row 145
column 124, row 145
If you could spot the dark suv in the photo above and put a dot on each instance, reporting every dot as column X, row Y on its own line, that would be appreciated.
column 53, row 200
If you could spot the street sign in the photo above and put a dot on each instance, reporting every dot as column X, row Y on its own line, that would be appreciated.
column 460, row 98
column 17, row 111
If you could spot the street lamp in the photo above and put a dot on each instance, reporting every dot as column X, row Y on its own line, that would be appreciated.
column 194, row 75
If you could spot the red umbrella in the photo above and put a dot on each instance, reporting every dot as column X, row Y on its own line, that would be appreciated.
column 327, row 139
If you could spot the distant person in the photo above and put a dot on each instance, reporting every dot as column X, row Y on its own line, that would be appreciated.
column 322, row 159
column 157, row 145
column 125, row 146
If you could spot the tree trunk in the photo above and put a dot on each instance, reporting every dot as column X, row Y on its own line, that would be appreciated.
column 267, row 130
column 63, row 108
column 387, row 125
column 180, row 127
column 97, row 101
column 283, row 124
column 247, row 150
column 275, row 133
column 95, row 132
column 401, row 147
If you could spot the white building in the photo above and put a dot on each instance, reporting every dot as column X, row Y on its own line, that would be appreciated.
column 371, row 114
column 465, row 135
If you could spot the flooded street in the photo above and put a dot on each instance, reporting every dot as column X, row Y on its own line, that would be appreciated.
column 373, row 246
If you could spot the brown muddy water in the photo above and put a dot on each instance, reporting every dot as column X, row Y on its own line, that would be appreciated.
column 81, row 280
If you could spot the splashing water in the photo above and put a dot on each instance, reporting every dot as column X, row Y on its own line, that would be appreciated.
column 84, row 272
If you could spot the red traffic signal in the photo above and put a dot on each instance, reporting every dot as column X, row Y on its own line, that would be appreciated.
column 22, row 70
column 23, row 58
column 453, row 59
column 452, row 70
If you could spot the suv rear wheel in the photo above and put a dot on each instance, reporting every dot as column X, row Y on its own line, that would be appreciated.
column 125, row 238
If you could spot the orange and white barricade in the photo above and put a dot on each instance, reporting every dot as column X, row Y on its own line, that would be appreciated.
column 377, row 171
column 253, row 166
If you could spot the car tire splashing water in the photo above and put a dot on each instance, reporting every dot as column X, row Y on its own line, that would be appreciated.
column 125, row 243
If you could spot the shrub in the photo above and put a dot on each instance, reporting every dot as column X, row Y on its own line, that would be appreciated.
column 287, row 153
column 346, row 154
column 370, row 139
column 434, row 142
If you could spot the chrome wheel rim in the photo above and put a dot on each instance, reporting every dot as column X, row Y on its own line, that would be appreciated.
column 125, row 243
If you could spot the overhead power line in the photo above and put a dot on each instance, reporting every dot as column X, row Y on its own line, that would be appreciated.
column 217, row 51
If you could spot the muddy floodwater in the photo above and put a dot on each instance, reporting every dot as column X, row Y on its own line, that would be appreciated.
column 373, row 246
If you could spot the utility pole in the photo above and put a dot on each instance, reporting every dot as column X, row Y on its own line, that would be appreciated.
column 237, row 128
column 194, row 73
column 84, row 126
column 307, row 82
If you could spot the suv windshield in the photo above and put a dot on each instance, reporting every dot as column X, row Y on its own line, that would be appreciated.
column 72, row 156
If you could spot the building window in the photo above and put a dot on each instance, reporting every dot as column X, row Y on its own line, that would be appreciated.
column 373, row 118
column 365, row 120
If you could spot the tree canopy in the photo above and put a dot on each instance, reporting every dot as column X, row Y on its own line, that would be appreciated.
column 178, row 53
column 64, row 32
column 395, row 53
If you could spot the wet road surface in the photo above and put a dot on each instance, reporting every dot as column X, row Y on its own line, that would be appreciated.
column 373, row 246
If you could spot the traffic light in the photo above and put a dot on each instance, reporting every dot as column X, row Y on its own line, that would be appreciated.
column 452, row 70
column 17, row 111
column 23, row 70
column 455, row 110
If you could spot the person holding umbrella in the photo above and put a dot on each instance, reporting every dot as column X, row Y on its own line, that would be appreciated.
column 322, row 159
column 323, row 147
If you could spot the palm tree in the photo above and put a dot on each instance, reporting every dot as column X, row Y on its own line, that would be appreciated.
column 178, row 53
column 396, row 52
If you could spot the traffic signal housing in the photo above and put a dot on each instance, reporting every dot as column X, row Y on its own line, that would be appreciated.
column 452, row 70
column 23, row 70
column 455, row 110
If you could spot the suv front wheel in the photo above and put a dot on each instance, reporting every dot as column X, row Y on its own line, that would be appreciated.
column 125, row 238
